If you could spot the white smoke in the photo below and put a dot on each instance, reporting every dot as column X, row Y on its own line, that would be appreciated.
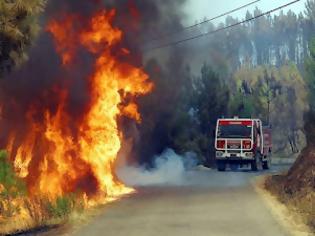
column 169, row 169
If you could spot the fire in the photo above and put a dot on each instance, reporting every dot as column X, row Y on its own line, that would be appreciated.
column 100, row 130
column 52, row 157
column 64, row 43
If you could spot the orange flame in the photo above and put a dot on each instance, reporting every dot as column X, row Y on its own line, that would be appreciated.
column 64, row 37
column 71, row 163
column 100, row 130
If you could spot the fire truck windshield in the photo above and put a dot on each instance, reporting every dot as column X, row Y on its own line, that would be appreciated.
column 234, row 131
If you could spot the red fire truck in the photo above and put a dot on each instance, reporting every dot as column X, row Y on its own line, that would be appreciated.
column 240, row 142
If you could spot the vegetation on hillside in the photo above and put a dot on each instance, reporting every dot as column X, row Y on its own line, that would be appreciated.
column 260, row 62
column 269, row 40
column 278, row 97
column 297, row 188
column 183, row 118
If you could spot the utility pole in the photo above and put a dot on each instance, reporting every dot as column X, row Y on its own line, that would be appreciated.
column 268, row 101
column 268, row 95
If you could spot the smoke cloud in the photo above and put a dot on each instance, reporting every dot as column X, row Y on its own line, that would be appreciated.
column 168, row 169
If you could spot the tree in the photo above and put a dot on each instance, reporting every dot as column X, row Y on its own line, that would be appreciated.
column 166, row 122
column 291, row 33
column 275, row 94
column 310, row 81
column 261, row 30
column 18, row 29
column 212, row 103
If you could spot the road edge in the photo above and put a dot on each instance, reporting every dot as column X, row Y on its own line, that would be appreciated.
column 288, row 219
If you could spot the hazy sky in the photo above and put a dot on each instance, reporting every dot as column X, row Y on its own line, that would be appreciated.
column 198, row 9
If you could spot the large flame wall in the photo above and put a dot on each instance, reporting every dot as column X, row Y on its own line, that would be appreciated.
column 60, row 150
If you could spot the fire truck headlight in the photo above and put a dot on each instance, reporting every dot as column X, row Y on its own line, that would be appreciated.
column 219, row 154
column 249, row 154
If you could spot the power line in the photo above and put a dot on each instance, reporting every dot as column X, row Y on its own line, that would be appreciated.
column 202, row 22
column 221, row 29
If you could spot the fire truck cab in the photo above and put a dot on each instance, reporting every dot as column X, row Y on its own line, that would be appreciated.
column 240, row 142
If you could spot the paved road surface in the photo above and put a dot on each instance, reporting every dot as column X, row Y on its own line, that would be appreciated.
column 209, row 203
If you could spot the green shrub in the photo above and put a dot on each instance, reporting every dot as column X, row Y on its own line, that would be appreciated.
column 62, row 206
column 13, row 186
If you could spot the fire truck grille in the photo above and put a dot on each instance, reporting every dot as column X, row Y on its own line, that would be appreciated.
column 234, row 146
column 234, row 151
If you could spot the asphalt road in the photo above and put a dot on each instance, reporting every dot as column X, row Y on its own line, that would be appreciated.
column 206, row 203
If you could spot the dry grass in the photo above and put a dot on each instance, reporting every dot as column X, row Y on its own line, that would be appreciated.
column 301, row 202
column 37, row 214
column 297, row 188
column 29, row 215
column 20, row 211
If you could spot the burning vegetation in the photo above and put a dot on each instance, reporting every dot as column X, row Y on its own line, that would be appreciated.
column 80, row 157
column 62, row 138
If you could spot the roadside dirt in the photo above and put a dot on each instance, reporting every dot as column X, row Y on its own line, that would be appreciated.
column 296, row 189
column 285, row 214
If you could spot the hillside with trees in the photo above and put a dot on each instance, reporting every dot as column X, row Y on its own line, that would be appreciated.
column 260, row 62
column 297, row 188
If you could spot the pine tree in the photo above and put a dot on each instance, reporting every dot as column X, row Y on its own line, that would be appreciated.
column 18, row 30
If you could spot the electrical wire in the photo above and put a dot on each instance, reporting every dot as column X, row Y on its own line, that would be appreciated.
column 200, row 23
column 220, row 29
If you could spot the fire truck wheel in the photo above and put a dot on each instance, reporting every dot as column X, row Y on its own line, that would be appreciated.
column 256, row 164
column 267, row 163
column 221, row 166
column 253, row 166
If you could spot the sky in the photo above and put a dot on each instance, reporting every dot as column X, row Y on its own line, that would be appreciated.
column 198, row 9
